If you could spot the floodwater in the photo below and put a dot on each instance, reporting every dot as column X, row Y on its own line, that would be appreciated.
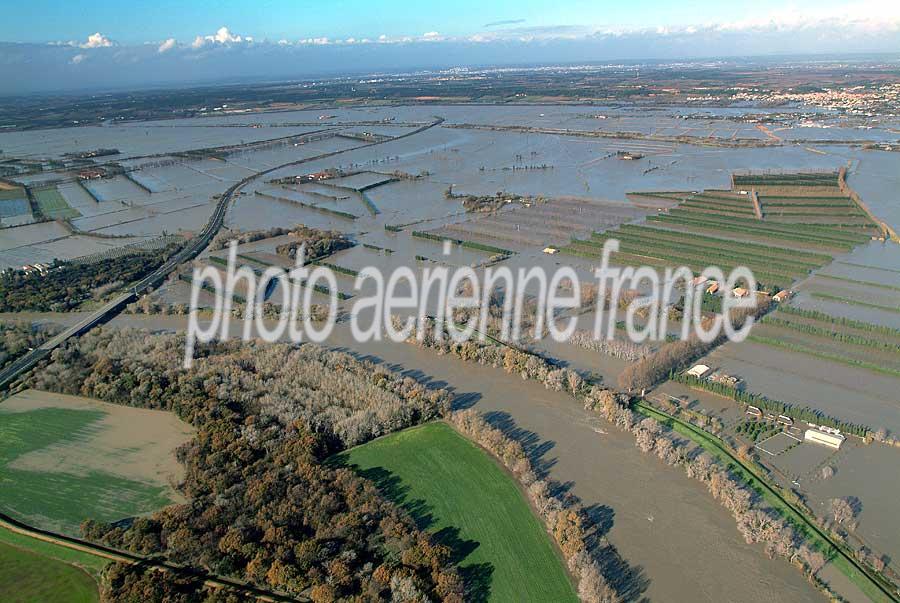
column 662, row 522
column 846, row 392
column 473, row 161
column 871, row 474
column 681, row 543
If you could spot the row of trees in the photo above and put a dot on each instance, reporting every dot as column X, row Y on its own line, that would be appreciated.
column 756, row 522
column 564, row 518
column 67, row 285
column 778, row 407
column 264, row 506
column 617, row 348
column 148, row 304
column 677, row 355
column 513, row 360
column 225, row 236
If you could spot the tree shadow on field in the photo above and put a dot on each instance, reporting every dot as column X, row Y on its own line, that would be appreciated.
column 629, row 581
column 476, row 576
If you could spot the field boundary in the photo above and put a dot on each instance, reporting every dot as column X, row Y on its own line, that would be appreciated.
column 99, row 550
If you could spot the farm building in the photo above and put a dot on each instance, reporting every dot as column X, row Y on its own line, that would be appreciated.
column 740, row 292
column 91, row 174
column 781, row 295
column 551, row 250
column 698, row 371
column 816, row 436
column 712, row 288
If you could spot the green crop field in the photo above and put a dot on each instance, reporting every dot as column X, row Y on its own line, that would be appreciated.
column 26, row 577
column 456, row 491
column 53, row 205
column 61, row 498
column 92, row 564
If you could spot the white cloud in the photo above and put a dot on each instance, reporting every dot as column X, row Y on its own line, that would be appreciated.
column 222, row 36
column 871, row 16
column 97, row 40
column 167, row 45
column 849, row 18
column 78, row 58
column 859, row 17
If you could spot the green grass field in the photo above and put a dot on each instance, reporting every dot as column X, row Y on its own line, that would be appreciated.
column 62, row 500
column 53, row 205
column 90, row 563
column 456, row 491
column 26, row 577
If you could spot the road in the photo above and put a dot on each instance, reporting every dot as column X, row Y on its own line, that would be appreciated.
column 190, row 251
column 108, row 311
column 120, row 556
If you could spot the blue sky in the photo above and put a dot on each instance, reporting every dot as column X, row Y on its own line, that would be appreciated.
column 57, row 45
column 145, row 21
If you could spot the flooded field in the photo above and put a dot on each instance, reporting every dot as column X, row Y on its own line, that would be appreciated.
column 870, row 474
column 172, row 196
column 841, row 391
column 563, row 180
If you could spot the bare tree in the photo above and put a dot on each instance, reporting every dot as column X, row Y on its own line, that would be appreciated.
column 593, row 588
column 841, row 510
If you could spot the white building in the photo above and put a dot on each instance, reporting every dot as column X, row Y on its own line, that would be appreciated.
column 698, row 371
column 832, row 440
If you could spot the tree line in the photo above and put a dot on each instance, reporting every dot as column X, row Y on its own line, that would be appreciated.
column 563, row 516
column 674, row 356
column 264, row 505
column 67, row 285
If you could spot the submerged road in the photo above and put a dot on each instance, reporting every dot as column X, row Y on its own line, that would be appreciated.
column 190, row 251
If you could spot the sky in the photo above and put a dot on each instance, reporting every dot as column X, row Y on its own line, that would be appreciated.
column 48, row 45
